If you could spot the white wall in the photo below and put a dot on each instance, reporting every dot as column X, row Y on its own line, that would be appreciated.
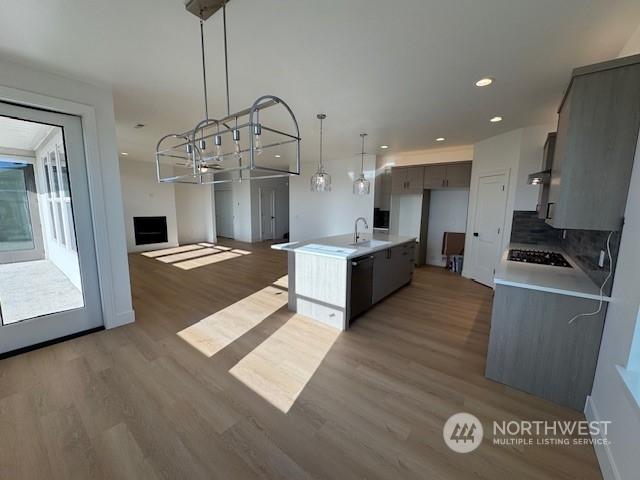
column 406, row 215
column 194, row 211
column 447, row 213
column 516, row 154
column 316, row 215
column 610, row 399
column 95, row 104
column 143, row 196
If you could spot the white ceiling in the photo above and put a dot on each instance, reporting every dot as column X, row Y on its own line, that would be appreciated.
column 403, row 70
column 18, row 134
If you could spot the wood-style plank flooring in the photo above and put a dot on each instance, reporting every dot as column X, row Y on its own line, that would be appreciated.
column 188, row 392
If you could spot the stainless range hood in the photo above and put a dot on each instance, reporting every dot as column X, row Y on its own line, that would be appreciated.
column 539, row 178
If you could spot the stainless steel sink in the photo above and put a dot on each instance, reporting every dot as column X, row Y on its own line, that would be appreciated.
column 370, row 243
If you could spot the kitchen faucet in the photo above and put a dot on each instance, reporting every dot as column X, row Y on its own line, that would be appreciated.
column 355, row 233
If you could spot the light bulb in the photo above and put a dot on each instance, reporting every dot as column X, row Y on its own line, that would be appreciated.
column 257, row 139
column 237, row 154
column 217, row 155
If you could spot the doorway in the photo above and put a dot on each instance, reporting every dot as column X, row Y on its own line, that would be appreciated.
column 49, row 285
column 274, row 210
column 224, row 213
column 488, row 226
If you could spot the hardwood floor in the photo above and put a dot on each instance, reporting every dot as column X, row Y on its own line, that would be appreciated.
column 277, row 398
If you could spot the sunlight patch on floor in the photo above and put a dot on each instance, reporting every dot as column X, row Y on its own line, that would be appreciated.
column 279, row 368
column 208, row 260
column 215, row 332
column 176, row 257
column 188, row 257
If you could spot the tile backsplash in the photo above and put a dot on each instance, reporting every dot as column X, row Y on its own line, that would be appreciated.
column 582, row 245
column 528, row 228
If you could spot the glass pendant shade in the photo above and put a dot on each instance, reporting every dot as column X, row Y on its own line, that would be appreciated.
column 361, row 186
column 321, row 182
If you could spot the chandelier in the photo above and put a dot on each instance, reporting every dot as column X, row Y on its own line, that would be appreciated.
column 212, row 151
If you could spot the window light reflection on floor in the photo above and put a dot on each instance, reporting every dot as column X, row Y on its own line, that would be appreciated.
column 188, row 257
column 280, row 367
column 215, row 332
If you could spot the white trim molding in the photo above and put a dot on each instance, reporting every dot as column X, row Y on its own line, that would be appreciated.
column 608, row 466
column 95, row 164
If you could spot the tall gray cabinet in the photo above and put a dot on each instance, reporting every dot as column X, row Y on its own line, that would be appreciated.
column 597, row 135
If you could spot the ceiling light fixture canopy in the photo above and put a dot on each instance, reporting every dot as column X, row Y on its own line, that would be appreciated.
column 321, row 180
column 214, row 146
column 362, row 186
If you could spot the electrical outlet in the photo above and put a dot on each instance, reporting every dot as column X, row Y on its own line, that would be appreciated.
column 601, row 259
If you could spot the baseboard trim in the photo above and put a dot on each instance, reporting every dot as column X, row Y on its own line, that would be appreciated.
column 603, row 452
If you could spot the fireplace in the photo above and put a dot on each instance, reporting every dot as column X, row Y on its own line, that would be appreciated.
column 150, row 230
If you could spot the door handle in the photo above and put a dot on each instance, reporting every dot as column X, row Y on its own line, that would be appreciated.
column 475, row 234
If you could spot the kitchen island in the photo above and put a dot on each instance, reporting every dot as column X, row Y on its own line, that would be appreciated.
column 335, row 279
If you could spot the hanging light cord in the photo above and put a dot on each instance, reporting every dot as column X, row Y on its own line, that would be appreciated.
column 204, row 69
column 321, row 164
column 226, row 54
column 362, row 163
column 596, row 312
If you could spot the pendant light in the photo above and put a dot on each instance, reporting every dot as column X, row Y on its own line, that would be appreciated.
column 362, row 186
column 321, row 180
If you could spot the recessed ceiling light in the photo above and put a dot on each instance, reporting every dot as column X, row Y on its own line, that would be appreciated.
column 484, row 82
column 277, row 156
column 384, row 147
column 440, row 139
column 496, row 119
column 124, row 154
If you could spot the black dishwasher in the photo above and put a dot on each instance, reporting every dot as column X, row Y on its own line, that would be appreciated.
column 361, row 285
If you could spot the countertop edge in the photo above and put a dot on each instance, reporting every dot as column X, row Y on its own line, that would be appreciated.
column 569, row 293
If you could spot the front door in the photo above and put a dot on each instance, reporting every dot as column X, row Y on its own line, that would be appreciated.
column 488, row 226
column 49, row 285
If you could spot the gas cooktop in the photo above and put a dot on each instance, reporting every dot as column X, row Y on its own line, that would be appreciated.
column 538, row 257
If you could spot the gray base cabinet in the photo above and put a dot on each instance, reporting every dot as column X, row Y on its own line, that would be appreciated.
column 532, row 346
column 392, row 269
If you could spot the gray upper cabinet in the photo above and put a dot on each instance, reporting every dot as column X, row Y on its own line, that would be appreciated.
column 449, row 175
column 435, row 176
column 595, row 146
column 459, row 175
column 407, row 179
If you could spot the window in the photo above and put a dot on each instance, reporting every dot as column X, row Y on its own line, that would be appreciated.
column 59, row 198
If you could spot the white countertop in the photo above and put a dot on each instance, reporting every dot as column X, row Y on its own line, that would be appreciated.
column 561, row 280
column 341, row 246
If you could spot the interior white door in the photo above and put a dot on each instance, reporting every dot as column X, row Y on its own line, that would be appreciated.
column 224, row 213
column 488, row 225
column 57, row 295
column 281, row 210
column 267, row 213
